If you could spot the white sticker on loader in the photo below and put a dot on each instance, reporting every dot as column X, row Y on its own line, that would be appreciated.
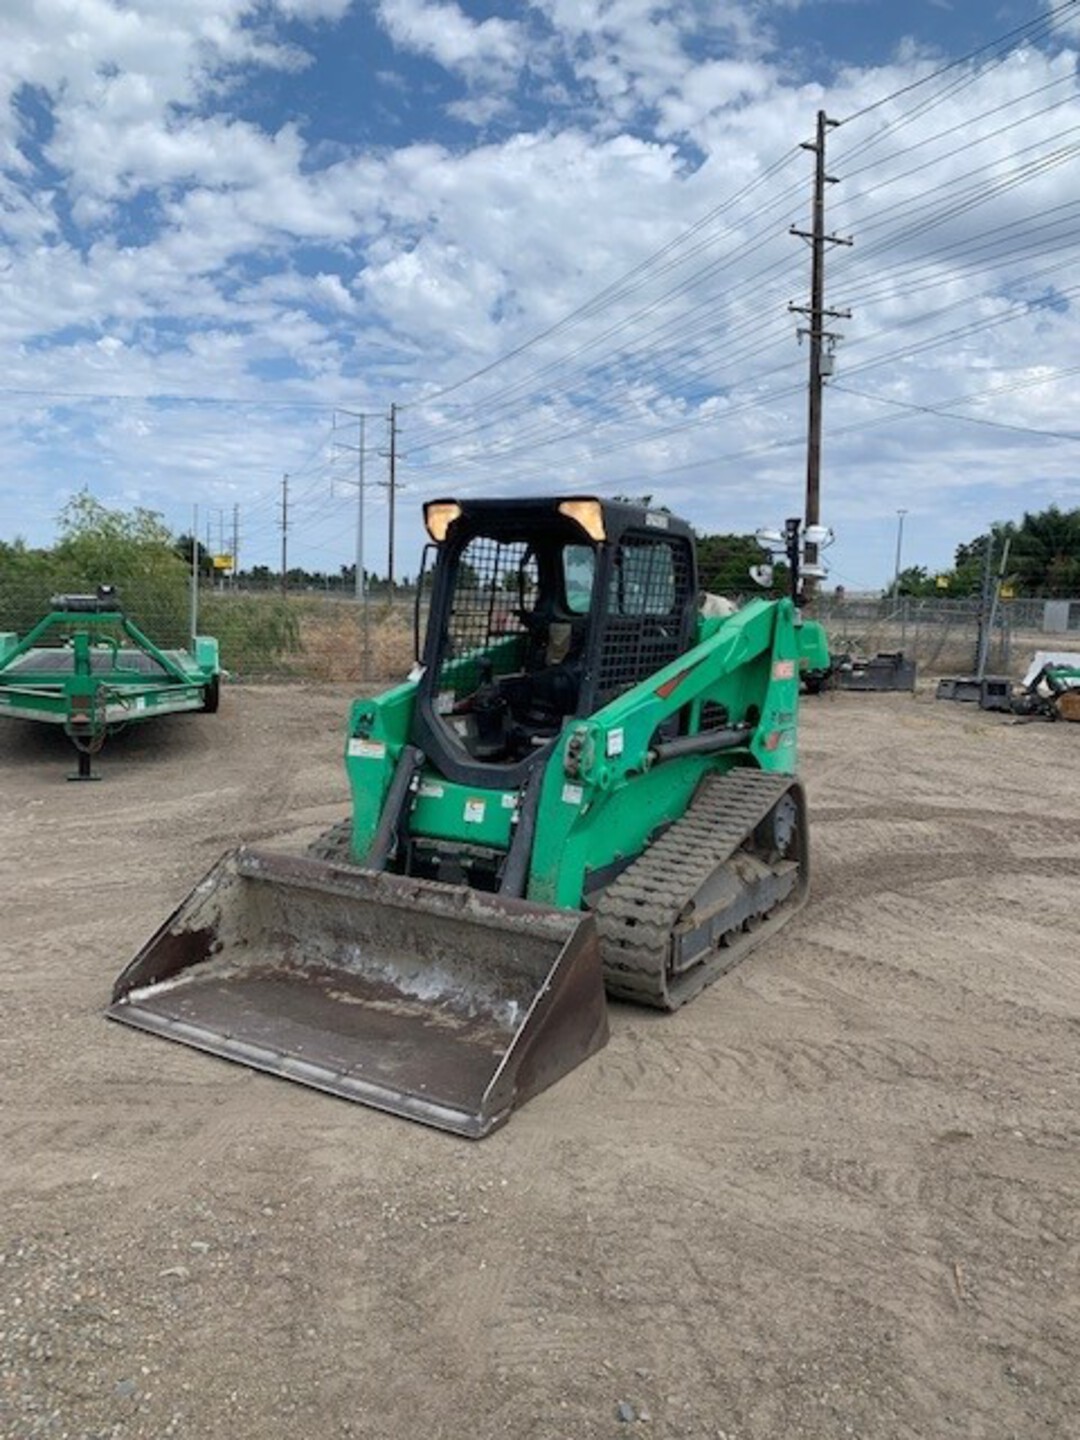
column 474, row 811
column 367, row 749
column 431, row 790
column 615, row 743
column 573, row 794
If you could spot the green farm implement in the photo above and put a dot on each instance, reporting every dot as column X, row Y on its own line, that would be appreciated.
column 1051, row 692
column 88, row 668
column 584, row 785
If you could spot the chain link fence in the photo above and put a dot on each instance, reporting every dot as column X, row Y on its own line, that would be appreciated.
column 160, row 609
column 326, row 634
column 945, row 637
column 263, row 634
column 311, row 633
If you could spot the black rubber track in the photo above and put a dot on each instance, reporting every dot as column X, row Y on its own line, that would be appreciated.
column 334, row 844
column 637, row 913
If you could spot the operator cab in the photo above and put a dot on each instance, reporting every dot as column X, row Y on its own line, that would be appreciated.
column 541, row 611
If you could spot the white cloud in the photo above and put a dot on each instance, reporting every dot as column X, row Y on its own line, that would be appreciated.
column 715, row 86
column 443, row 32
column 109, row 161
column 165, row 236
column 332, row 292
column 640, row 54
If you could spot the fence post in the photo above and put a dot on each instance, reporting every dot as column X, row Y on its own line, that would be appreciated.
column 194, row 576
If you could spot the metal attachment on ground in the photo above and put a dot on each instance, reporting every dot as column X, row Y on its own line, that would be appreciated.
column 887, row 670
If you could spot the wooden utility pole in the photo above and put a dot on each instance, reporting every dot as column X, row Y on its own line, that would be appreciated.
column 284, row 536
column 358, row 580
column 392, row 494
column 817, row 314
column 360, row 583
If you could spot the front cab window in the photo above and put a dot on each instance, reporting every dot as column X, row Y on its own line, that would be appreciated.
column 579, row 566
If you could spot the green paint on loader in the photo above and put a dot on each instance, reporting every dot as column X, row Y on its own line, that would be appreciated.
column 580, row 763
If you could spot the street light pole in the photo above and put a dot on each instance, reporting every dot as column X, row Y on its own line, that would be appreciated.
column 899, row 545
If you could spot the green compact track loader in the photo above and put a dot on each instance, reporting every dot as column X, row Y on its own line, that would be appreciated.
column 584, row 785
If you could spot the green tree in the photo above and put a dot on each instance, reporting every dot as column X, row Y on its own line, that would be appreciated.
column 967, row 577
column 724, row 563
column 204, row 559
column 916, row 580
column 1045, row 554
column 28, row 579
column 133, row 550
column 100, row 539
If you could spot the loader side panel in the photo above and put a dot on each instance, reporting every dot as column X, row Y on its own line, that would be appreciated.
column 583, row 839
column 378, row 732
column 605, row 791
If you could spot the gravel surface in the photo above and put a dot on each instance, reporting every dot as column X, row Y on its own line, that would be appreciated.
column 836, row 1196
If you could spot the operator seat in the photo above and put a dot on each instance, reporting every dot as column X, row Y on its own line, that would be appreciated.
column 554, row 669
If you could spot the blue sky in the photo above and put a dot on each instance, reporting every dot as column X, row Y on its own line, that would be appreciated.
column 556, row 235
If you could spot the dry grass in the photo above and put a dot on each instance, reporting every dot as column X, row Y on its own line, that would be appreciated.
column 335, row 647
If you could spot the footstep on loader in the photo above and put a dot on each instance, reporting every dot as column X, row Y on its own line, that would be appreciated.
column 584, row 785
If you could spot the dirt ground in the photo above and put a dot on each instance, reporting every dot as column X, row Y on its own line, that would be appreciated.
column 836, row 1196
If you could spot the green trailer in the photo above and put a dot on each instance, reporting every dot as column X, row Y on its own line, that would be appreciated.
column 87, row 667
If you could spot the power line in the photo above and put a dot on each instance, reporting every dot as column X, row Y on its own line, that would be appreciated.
column 614, row 290
column 948, row 414
column 452, row 434
column 1030, row 30
column 165, row 398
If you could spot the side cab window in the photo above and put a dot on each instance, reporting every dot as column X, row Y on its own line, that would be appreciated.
column 649, row 610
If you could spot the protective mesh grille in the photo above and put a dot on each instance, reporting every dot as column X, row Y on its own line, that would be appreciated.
column 488, row 598
column 646, row 606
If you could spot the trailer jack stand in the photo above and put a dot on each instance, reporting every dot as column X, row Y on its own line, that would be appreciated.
column 83, row 772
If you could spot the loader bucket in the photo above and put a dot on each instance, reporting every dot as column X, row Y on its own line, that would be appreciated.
column 429, row 1001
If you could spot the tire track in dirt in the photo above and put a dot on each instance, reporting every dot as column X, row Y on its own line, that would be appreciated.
column 475, row 1305
column 704, row 1074
column 833, row 1196
column 917, row 986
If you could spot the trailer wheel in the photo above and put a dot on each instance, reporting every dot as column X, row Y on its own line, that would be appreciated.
column 212, row 696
